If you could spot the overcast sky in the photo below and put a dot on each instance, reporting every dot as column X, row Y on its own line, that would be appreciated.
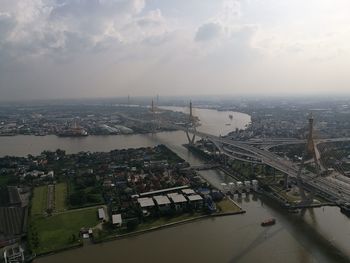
column 105, row 48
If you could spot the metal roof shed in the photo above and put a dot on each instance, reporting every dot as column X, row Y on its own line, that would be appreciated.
column 161, row 200
column 188, row 191
column 101, row 214
column 145, row 202
column 117, row 219
column 193, row 198
column 179, row 198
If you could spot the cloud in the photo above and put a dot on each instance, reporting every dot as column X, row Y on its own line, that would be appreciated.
column 7, row 24
column 230, row 11
column 208, row 31
column 67, row 28
column 96, row 8
column 153, row 18
column 48, row 47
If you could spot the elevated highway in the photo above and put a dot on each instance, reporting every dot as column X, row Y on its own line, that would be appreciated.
column 247, row 151
column 338, row 190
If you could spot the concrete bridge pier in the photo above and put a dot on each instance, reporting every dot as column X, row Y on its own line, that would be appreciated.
column 190, row 139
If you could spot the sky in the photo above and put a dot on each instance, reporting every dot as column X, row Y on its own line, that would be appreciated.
column 56, row 49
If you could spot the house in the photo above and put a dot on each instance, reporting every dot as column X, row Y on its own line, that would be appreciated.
column 117, row 220
column 163, row 202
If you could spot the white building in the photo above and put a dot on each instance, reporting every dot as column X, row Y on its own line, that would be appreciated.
column 117, row 220
column 101, row 214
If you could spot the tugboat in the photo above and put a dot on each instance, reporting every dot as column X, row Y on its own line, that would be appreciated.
column 268, row 222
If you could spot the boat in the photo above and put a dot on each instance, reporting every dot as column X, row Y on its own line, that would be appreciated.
column 228, row 124
column 72, row 134
column 268, row 222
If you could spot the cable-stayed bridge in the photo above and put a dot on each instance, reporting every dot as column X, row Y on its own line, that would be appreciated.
column 256, row 151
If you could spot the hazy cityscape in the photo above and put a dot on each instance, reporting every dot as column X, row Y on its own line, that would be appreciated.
column 174, row 131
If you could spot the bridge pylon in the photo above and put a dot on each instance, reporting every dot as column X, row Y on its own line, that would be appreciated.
column 155, row 124
column 309, row 150
column 191, row 125
column 311, row 147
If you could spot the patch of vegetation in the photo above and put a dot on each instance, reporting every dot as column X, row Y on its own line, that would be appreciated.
column 4, row 179
column 84, row 191
column 227, row 206
column 60, row 230
column 4, row 198
column 134, row 226
column 39, row 200
column 60, row 197
column 164, row 153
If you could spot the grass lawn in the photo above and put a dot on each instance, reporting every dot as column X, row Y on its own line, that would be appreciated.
column 227, row 206
column 60, row 197
column 39, row 201
column 55, row 232
column 3, row 180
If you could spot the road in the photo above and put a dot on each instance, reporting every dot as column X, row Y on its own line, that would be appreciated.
column 339, row 190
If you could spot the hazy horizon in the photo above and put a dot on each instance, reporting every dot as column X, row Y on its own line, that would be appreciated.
column 70, row 49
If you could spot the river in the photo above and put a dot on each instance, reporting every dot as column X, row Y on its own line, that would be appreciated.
column 317, row 235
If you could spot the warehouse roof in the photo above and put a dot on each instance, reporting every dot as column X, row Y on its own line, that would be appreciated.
column 179, row 198
column 194, row 197
column 161, row 199
column 145, row 201
column 188, row 191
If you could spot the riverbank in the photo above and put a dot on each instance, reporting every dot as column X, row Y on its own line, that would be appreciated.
column 224, row 210
column 51, row 201
column 173, row 224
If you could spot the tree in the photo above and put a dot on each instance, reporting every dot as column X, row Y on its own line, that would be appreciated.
column 60, row 153
column 49, row 211
column 78, row 198
column 132, row 224
column 73, row 238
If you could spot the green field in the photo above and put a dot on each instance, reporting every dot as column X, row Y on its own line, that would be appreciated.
column 227, row 206
column 56, row 232
column 60, row 197
column 39, row 201
column 3, row 180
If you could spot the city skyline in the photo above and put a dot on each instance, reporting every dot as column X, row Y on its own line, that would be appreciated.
column 81, row 49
